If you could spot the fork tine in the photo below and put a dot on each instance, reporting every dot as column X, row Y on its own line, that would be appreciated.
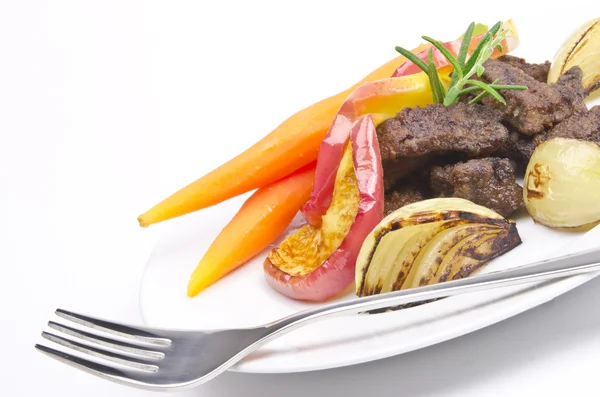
column 100, row 353
column 107, row 342
column 121, row 330
column 80, row 363
column 103, row 371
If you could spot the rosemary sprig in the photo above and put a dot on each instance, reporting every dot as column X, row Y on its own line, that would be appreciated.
column 465, row 67
column 462, row 53
column 434, row 77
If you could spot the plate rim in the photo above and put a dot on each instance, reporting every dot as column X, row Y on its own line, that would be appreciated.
column 559, row 287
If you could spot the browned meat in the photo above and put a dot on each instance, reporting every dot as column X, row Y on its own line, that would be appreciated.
column 584, row 126
column 518, row 148
column 407, row 191
column 403, row 195
column 396, row 169
column 417, row 135
column 489, row 182
column 538, row 71
column 542, row 105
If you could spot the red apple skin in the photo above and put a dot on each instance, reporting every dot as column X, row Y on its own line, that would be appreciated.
column 337, row 272
column 330, row 155
column 381, row 99
column 439, row 59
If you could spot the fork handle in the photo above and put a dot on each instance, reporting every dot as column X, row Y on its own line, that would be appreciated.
column 563, row 266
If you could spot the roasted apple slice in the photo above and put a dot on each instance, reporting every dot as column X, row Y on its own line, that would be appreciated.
column 381, row 99
column 317, row 262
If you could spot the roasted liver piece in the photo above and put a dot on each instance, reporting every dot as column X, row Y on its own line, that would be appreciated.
column 401, row 196
column 489, row 182
column 538, row 71
column 584, row 126
column 518, row 148
column 542, row 105
column 416, row 136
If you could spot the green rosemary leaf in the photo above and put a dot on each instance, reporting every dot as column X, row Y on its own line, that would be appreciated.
column 499, row 87
column 477, row 51
column 446, row 54
column 468, row 90
column 496, row 28
column 451, row 96
column 474, row 88
column 434, row 94
column 438, row 82
column 481, row 46
column 413, row 58
column 453, row 79
column 432, row 73
column 479, row 97
column 489, row 90
column 483, row 94
column 465, row 67
column 480, row 70
column 464, row 46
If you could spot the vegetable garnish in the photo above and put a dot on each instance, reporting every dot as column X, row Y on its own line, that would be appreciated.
column 381, row 99
column 431, row 241
column 317, row 263
column 465, row 67
column 580, row 49
column 262, row 218
column 510, row 43
column 562, row 183
column 289, row 147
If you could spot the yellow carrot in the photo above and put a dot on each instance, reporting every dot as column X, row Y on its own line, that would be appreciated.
column 262, row 218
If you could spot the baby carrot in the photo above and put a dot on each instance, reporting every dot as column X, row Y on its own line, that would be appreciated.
column 292, row 145
column 262, row 218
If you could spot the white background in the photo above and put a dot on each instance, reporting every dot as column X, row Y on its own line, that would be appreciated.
column 108, row 106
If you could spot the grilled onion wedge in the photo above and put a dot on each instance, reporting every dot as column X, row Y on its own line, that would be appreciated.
column 562, row 184
column 581, row 49
column 429, row 242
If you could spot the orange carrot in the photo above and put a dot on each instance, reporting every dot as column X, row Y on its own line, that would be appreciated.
column 262, row 218
column 292, row 145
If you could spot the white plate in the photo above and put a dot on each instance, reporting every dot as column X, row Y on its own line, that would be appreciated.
column 244, row 299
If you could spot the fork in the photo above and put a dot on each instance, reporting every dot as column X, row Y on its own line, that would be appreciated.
column 159, row 359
